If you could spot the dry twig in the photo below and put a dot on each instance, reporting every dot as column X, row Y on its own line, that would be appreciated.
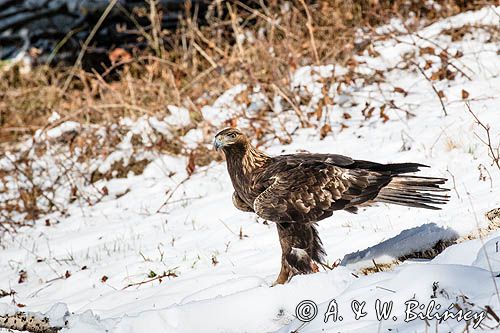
column 433, row 87
column 493, row 152
column 168, row 274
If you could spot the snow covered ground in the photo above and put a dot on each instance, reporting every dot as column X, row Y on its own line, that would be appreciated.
column 219, row 263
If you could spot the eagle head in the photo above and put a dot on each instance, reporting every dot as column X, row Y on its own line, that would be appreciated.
column 230, row 138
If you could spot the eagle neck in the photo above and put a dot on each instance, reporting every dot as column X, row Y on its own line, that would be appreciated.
column 242, row 162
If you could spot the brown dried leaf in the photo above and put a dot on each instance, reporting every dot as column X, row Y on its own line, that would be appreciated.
column 443, row 55
column 400, row 90
column 450, row 75
column 243, row 97
column 435, row 76
column 214, row 261
column 352, row 63
column 427, row 50
column 23, row 276
column 465, row 94
column 325, row 129
column 191, row 166
column 119, row 54
column 384, row 117
column 104, row 191
column 370, row 112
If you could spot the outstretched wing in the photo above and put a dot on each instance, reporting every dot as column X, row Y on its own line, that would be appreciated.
column 310, row 191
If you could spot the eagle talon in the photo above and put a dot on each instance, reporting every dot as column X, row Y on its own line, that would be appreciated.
column 314, row 267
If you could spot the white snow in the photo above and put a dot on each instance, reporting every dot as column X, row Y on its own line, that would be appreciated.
column 54, row 117
column 225, row 107
column 408, row 241
column 57, row 131
column 223, row 281
column 179, row 117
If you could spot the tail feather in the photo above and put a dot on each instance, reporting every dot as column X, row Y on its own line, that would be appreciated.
column 414, row 191
column 393, row 168
column 398, row 168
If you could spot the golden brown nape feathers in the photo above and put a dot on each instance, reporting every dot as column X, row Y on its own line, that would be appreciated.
column 297, row 190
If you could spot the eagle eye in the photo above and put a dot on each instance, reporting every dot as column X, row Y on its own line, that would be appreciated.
column 231, row 135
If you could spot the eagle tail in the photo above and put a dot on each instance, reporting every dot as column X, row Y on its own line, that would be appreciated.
column 393, row 168
column 414, row 191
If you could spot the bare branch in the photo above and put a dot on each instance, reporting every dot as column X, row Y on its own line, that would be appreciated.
column 433, row 87
column 168, row 274
column 493, row 152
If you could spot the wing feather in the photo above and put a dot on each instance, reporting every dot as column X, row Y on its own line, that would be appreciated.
column 311, row 191
column 240, row 204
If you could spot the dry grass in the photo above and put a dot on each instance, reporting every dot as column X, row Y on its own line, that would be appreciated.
column 261, row 43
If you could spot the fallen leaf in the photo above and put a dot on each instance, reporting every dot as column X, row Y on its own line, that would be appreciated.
column 384, row 117
column 214, row 261
column 427, row 50
column 191, row 166
column 325, row 129
column 104, row 191
column 119, row 54
column 400, row 90
column 435, row 76
column 23, row 276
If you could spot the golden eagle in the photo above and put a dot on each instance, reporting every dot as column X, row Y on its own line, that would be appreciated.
column 296, row 191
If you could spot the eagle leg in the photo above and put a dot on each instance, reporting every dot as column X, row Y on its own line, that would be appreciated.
column 284, row 275
column 301, row 250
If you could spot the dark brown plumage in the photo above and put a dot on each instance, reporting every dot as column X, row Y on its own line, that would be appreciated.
column 298, row 190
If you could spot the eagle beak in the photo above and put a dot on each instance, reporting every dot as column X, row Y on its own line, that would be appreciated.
column 218, row 144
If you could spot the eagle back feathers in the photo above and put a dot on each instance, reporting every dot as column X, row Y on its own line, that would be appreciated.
column 310, row 190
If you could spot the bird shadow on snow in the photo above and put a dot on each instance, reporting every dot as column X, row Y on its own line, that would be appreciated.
column 425, row 241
